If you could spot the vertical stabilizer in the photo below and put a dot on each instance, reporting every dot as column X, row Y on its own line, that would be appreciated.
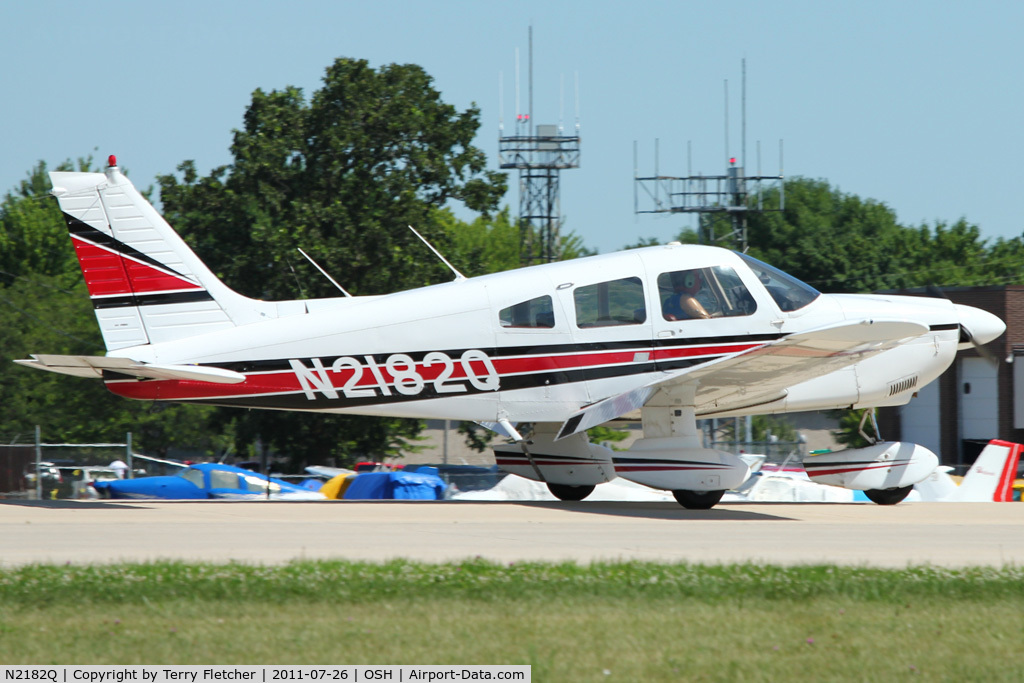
column 147, row 286
column 991, row 476
column 989, row 480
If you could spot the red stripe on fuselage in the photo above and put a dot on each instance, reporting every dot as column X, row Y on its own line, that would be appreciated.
column 848, row 469
column 286, row 381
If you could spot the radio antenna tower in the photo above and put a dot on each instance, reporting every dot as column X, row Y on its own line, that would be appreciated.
column 714, row 197
column 539, row 152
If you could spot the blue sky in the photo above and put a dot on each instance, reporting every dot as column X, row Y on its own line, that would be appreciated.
column 915, row 104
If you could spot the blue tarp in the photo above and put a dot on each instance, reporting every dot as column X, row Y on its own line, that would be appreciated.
column 395, row 485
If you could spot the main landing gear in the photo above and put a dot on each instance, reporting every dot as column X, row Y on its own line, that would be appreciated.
column 697, row 500
column 888, row 496
column 568, row 492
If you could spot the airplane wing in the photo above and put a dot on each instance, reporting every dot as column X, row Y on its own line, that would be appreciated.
column 93, row 366
column 762, row 374
column 329, row 472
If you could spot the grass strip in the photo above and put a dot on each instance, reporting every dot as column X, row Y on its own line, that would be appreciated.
column 627, row 621
column 361, row 582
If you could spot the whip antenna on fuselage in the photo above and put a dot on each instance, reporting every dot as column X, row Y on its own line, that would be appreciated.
column 324, row 272
column 458, row 275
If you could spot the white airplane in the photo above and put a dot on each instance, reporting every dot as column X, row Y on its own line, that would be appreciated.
column 680, row 332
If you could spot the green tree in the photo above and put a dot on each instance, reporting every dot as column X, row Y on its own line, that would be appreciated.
column 849, row 432
column 490, row 243
column 33, row 236
column 835, row 241
column 341, row 175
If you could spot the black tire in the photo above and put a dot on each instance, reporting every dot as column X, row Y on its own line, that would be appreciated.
column 888, row 496
column 567, row 492
column 698, row 500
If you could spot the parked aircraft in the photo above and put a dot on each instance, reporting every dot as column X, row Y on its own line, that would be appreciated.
column 681, row 332
column 990, row 478
column 206, row 481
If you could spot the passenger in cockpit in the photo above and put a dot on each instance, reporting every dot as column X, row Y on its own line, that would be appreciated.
column 682, row 304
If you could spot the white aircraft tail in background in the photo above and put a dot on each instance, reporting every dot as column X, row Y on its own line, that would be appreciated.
column 990, row 478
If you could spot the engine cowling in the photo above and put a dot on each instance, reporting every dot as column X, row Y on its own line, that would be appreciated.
column 885, row 465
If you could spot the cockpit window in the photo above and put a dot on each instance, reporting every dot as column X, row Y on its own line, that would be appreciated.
column 715, row 292
column 789, row 293
column 616, row 302
column 194, row 476
column 533, row 313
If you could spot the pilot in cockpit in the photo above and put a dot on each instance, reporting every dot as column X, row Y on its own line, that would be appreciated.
column 683, row 304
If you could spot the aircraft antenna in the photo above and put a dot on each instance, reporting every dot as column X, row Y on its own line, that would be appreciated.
column 539, row 153
column 458, row 275
column 722, row 203
column 324, row 272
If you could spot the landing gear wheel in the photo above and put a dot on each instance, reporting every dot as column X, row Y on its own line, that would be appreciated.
column 567, row 492
column 888, row 496
column 698, row 500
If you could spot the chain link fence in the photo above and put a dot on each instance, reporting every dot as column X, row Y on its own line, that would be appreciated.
column 62, row 470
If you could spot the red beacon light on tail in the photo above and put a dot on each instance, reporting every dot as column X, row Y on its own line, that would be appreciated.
column 112, row 161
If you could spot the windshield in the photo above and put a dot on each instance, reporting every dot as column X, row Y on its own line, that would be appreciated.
column 788, row 292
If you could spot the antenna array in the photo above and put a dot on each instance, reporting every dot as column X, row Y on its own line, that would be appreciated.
column 731, row 196
column 539, row 153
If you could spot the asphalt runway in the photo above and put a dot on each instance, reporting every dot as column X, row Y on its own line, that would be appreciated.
column 271, row 532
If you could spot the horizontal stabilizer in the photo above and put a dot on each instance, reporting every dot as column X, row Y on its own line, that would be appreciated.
column 93, row 366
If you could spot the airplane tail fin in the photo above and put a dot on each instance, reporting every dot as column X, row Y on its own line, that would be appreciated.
column 147, row 286
column 991, row 476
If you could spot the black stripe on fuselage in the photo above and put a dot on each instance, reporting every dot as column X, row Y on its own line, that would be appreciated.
column 640, row 346
column 300, row 401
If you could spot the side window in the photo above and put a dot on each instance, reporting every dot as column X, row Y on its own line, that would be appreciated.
column 221, row 479
column 533, row 313
column 715, row 292
column 194, row 476
column 617, row 302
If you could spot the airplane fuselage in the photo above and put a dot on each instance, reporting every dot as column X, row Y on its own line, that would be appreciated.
column 445, row 351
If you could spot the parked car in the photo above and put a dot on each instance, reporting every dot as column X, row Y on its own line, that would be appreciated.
column 77, row 481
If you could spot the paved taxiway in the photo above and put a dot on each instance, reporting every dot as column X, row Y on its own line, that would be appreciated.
column 944, row 534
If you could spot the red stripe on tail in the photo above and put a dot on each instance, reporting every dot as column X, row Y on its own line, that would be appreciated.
column 108, row 273
column 1004, row 490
